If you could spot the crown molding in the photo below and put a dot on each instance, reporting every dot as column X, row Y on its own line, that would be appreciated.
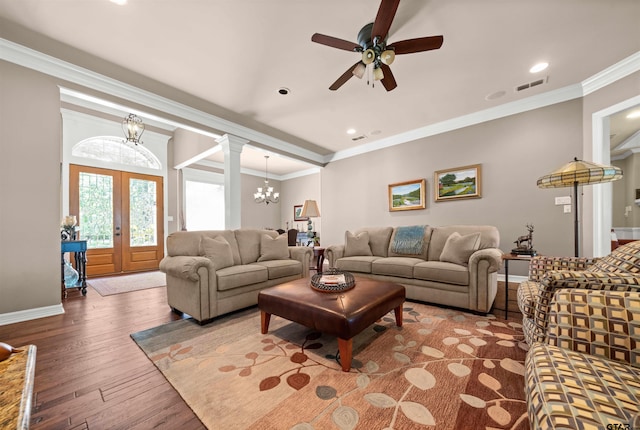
column 32, row 59
column 530, row 103
column 260, row 173
column 621, row 69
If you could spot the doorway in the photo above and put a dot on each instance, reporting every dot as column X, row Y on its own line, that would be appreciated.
column 120, row 216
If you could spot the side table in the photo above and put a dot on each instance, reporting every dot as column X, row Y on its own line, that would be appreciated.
column 507, row 258
column 79, row 248
column 318, row 254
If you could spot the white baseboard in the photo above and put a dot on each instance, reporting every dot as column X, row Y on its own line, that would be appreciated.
column 513, row 279
column 31, row 314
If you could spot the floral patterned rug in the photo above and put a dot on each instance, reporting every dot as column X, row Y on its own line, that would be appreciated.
column 444, row 369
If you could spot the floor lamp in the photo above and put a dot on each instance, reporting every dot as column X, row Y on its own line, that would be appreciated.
column 576, row 173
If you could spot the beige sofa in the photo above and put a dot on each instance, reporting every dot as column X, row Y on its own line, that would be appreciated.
column 210, row 273
column 452, row 265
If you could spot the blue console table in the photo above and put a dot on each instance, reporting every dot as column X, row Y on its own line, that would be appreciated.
column 79, row 248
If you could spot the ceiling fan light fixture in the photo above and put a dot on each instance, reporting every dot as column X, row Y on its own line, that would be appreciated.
column 378, row 74
column 368, row 56
column 359, row 70
column 388, row 56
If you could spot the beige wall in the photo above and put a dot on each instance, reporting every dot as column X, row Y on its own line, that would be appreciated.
column 261, row 215
column 295, row 192
column 30, row 144
column 514, row 152
column 615, row 93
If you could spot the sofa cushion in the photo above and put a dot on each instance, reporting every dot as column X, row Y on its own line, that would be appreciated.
column 458, row 249
column 440, row 271
column 249, row 243
column 360, row 264
column 218, row 251
column 281, row 268
column 356, row 244
column 379, row 238
column 489, row 237
column 239, row 276
column 395, row 266
column 274, row 248
column 410, row 241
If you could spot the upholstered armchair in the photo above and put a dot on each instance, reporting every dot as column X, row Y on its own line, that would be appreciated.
column 587, row 372
column 619, row 271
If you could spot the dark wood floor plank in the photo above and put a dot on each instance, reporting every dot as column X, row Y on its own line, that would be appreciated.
column 90, row 375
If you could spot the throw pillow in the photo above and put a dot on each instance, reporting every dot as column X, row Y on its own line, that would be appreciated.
column 273, row 249
column 458, row 249
column 218, row 251
column 356, row 244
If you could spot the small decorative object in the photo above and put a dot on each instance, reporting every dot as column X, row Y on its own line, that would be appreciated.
column 524, row 244
column 71, row 275
column 6, row 351
column 407, row 196
column 333, row 281
column 458, row 183
column 68, row 231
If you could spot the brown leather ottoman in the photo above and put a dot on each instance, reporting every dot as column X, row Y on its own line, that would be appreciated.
column 343, row 315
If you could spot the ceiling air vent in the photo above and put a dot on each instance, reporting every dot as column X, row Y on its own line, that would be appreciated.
column 358, row 137
column 532, row 84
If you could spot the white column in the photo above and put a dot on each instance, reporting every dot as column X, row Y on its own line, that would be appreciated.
column 232, row 148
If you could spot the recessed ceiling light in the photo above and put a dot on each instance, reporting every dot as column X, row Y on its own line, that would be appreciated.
column 633, row 115
column 538, row 67
column 120, row 2
column 351, row 131
column 284, row 91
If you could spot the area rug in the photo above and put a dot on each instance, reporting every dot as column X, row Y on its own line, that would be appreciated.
column 108, row 286
column 443, row 369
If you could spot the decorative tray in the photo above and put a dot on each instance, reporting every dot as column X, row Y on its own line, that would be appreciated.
column 333, row 281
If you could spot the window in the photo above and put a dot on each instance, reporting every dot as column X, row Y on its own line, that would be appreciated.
column 115, row 150
column 204, row 200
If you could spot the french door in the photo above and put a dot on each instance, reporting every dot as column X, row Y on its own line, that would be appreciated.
column 120, row 216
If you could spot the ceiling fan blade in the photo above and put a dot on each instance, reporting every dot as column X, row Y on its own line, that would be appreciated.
column 419, row 44
column 344, row 78
column 334, row 42
column 384, row 18
column 389, row 82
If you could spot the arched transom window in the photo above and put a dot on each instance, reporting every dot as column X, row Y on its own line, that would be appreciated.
column 116, row 150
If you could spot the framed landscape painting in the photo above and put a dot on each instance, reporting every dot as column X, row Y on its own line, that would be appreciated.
column 406, row 196
column 297, row 210
column 458, row 183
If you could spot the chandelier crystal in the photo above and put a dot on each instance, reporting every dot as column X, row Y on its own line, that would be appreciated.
column 265, row 194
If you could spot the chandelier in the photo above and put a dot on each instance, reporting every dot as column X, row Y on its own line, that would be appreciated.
column 133, row 128
column 265, row 194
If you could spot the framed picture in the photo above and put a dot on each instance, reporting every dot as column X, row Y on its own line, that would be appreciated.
column 407, row 196
column 459, row 183
column 297, row 210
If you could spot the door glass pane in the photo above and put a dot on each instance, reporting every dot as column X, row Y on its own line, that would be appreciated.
column 142, row 213
column 204, row 204
column 96, row 210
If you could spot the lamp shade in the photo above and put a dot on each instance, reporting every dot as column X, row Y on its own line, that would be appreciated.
column 580, row 172
column 310, row 209
column 577, row 173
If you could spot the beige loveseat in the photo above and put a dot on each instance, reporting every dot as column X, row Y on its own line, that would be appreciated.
column 210, row 273
column 452, row 265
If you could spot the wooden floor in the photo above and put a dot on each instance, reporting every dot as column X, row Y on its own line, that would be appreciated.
column 91, row 375
column 89, row 372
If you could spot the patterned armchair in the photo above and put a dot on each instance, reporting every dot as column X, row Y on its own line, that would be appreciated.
column 587, row 372
column 619, row 271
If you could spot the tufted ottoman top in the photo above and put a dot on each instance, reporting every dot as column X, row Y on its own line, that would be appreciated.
column 343, row 314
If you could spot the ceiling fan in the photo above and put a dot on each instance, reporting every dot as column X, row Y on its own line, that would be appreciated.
column 372, row 43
